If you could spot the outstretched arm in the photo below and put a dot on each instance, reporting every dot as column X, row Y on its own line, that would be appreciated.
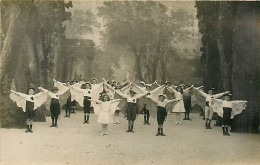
column 77, row 89
column 43, row 90
column 121, row 94
column 153, row 99
column 201, row 92
column 141, row 95
column 220, row 94
column 18, row 93
column 172, row 90
column 186, row 90
column 116, row 100
column 172, row 100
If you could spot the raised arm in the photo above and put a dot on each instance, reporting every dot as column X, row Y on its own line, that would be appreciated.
column 201, row 92
column 121, row 94
column 186, row 90
column 61, row 92
column 116, row 100
column 141, row 95
column 77, row 89
column 59, row 85
column 43, row 90
column 172, row 90
column 220, row 94
column 172, row 100
column 18, row 93
column 153, row 99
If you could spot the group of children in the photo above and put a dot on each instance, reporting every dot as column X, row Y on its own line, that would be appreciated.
column 108, row 99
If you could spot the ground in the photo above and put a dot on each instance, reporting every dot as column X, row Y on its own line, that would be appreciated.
column 75, row 143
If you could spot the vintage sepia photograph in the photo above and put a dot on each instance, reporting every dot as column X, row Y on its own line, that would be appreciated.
column 129, row 82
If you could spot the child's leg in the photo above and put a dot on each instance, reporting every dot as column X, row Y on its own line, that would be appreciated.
column 210, row 117
column 162, row 131
column 129, row 126
column 206, row 116
column 132, row 126
column 159, row 130
column 31, row 123
column 106, row 127
column 103, row 129
column 27, row 125
column 176, row 118
column 88, row 118
column 52, row 118
column 148, row 117
column 56, row 119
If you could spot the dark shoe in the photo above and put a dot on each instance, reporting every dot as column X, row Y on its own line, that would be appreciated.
column 128, row 130
column 52, row 125
column 31, row 130
column 157, row 134
column 185, row 119
column 227, row 132
column 188, row 119
column 85, row 121
column 56, row 125
column 148, row 123
column 27, row 130
column 209, row 126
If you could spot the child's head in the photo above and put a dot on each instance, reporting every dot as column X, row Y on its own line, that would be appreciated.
column 179, row 89
column 148, row 87
column 228, row 97
column 142, row 84
column 55, row 89
column 105, row 97
column 132, row 92
column 211, row 91
column 88, row 85
column 186, row 86
column 162, row 97
column 94, row 80
column 168, row 83
column 31, row 91
column 68, row 83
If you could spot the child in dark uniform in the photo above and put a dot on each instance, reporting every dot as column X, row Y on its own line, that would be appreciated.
column 68, row 103
column 145, row 110
column 227, row 109
column 131, row 111
column 161, row 111
column 187, row 102
column 29, row 103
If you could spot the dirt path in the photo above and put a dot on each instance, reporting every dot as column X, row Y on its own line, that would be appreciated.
column 75, row 143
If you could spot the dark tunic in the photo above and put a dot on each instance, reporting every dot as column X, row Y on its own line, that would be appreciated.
column 73, row 103
column 55, row 107
column 226, row 115
column 187, row 102
column 69, row 103
column 161, row 114
column 29, row 110
column 87, row 104
column 131, row 111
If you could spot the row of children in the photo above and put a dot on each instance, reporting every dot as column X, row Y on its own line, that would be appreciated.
column 108, row 100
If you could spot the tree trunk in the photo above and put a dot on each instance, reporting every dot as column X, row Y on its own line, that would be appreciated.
column 17, row 27
column 138, row 69
column 163, row 70
column 246, row 67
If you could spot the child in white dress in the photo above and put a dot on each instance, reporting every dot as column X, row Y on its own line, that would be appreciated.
column 105, row 109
